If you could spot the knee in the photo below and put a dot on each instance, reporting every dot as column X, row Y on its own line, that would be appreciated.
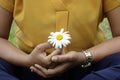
column 110, row 73
column 103, row 69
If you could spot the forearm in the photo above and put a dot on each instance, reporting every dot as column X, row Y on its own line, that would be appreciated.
column 106, row 48
column 11, row 54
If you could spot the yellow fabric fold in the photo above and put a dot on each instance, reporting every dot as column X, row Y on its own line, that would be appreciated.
column 110, row 4
column 7, row 4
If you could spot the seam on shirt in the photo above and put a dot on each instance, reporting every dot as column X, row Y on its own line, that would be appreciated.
column 6, row 5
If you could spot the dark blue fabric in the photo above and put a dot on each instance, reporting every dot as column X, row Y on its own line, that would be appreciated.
column 11, row 72
column 106, row 69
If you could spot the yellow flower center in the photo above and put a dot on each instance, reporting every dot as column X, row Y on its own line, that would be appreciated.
column 59, row 37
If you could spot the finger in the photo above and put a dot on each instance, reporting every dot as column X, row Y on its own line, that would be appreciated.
column 56, row 52
column 59, row 69
column 43, row 71
column 63, row 51
column 56, row 71
column 63, row 58
column 46, row 72
column 34, row 69
column 42, row 47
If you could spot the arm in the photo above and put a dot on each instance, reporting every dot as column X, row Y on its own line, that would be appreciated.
column 14, row 55
column 7, row 50
column 113, row 45
column 100, row 51
column 106, row 48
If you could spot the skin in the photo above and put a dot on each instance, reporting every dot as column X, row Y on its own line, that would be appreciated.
column 73, row 58
column 64, row 60
column 16, row 56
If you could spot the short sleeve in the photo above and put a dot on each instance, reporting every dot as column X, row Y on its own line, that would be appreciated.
column 110, row 4
column 7, row 4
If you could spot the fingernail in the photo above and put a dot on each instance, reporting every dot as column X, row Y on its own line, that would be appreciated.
column 54, row 59
column 31, row 69
column 35, row 64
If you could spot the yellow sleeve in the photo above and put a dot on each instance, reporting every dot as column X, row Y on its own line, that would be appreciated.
column 110, row 4
column 7, row 4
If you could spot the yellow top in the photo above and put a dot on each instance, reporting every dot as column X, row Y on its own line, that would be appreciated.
column 36, row 19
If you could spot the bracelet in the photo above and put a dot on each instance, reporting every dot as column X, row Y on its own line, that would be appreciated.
column 88, row 61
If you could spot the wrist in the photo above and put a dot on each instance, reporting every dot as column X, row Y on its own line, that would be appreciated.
column 29, row 61
column 21, row 60
column 26, row 62
column 81, row 58
column 88, row 58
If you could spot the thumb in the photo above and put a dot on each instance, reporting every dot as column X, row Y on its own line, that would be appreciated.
column 62, row 58
column 42, row 47
column 56, row 52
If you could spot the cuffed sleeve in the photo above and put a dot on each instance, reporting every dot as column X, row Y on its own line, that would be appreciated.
column 7, row 4
column 110, row 4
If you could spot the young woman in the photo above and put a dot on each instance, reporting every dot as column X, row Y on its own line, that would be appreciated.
column 88, row 48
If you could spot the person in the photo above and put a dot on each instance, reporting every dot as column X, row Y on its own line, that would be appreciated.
column 88, row 57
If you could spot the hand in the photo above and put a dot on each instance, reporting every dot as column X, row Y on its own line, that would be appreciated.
column 67, row 61
column 39, row 55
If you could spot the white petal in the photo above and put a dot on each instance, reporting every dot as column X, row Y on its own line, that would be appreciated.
column 66, row 38
column 66, row 42
column 54, row 43
column 66, row 32
column 51, row 37
column 58, row 45
column 50, row 40
column 52, row 33
column 63, row 43
column 62, row 30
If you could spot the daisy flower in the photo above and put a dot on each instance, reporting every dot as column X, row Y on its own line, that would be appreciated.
column 59, row 39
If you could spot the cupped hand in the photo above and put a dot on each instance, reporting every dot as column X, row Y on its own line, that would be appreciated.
column 39, row 55
column 67, row 61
